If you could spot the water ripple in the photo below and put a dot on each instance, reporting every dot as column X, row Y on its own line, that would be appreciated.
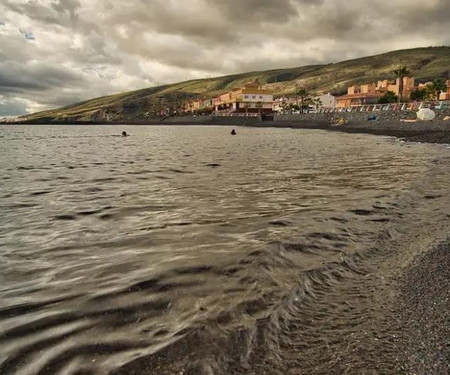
column 186, row 245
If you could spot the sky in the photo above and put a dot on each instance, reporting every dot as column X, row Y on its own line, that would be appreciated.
column 58, row 52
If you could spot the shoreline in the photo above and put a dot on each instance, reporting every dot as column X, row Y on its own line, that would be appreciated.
column 417, row 133
column 436, row 131
column 420, row 131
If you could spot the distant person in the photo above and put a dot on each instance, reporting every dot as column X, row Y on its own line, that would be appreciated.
column 124, row 134
column 233, row 132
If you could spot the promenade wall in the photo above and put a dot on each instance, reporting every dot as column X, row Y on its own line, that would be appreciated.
column 381, row 116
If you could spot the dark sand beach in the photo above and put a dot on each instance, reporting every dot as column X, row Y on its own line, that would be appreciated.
column 436, row 131
column 421, row 131
column 424, row 312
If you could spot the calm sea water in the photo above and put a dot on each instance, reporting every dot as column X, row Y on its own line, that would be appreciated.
column 113, row 249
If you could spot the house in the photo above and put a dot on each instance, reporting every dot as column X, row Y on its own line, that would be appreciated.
column 371, row 93
column 207, row 104
column 199, row 105
column 248, row 99
column 191, row 106
column 327, row 101
column 359, row 95
column 408, row 87
column 282, row 103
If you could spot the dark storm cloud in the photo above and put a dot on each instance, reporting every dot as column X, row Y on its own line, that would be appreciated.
column 35, row 76
column 233, row 28
column 98, row 47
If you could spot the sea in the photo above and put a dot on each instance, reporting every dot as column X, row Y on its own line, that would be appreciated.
column 182, row 244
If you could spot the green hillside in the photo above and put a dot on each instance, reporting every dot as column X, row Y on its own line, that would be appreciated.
column 424, row 63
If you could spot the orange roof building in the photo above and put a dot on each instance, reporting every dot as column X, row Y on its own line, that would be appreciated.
column 371, row 93
column 251, row 98
column 359, row 95
column 408, row 86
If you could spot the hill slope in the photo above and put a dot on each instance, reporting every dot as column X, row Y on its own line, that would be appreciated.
column 424, row 63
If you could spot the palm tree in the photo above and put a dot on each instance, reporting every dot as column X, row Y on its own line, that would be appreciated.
column 401, row 72
column 435, row 88
column 303, row 94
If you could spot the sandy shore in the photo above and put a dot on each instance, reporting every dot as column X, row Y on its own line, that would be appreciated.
column 420, row 131
column 424, row 313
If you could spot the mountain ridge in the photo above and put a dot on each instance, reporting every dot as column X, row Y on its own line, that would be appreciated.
column 424, row 63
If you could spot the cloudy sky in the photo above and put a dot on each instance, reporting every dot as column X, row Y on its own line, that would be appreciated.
column 57, row 52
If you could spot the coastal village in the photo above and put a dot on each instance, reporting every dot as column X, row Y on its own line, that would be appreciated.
column 255, row 100
column 292, row 94
column 259, row 101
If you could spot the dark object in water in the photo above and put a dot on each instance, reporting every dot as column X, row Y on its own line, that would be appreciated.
column 124, row 134
column 233, row 132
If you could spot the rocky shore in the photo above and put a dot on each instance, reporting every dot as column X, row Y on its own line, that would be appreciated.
column 401, row 124
column 427, row 132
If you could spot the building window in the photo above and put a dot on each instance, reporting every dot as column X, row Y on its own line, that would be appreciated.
column 245, row 96
column 254, row 97
column 260, row 97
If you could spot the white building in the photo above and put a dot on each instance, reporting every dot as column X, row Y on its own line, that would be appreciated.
column 248, row 99
column 327, row 101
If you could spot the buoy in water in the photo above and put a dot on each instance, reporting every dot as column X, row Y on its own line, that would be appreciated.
column 124, row 134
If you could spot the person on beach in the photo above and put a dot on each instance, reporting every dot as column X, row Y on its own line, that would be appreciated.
column 233, row 132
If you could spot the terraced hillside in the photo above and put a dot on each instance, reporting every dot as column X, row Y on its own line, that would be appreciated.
column 425, row 64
